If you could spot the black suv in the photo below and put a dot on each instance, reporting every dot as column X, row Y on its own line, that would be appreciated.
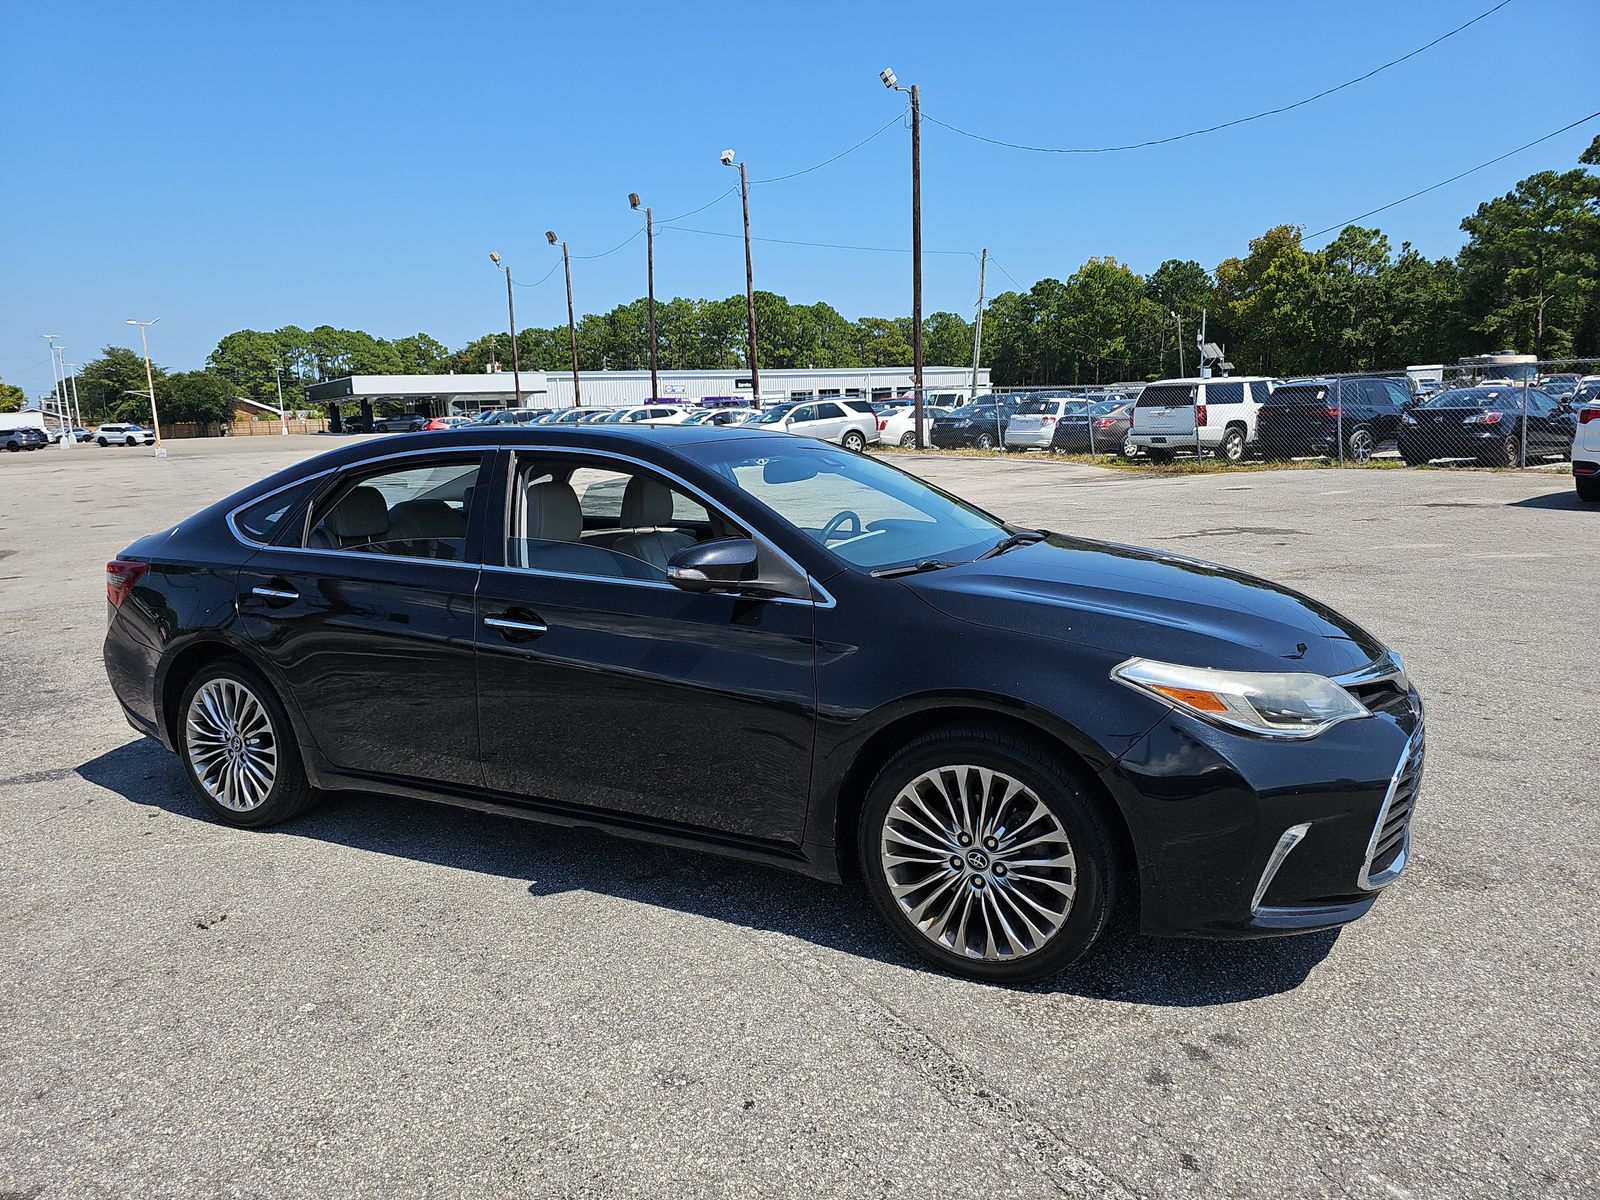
column 981, row 423
column 24, row 437
column 1309, row 416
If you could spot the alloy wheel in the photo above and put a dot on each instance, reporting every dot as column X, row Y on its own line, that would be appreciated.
column 908, row 440
column 977, row 863
column 1361, row 445
column 985, row 441
column 1129, row 449
column 231, row 744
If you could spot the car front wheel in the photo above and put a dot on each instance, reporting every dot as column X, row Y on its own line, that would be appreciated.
column 986, row 855
column 239, row 749
column 854, row 441
column 103, row 441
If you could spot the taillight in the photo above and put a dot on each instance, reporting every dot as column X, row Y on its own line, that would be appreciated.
column 883, row 423
column 121, row 576
column 1047, row 420
column 1587, row 415
column 1199, row 416
column 1485, row 418
column 1104, row 422
column 1332, row 410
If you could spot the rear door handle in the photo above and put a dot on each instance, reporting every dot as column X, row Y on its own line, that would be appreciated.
column 272, row 593
column 517, row 627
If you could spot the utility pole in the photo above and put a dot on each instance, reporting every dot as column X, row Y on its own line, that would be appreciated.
column 916, row 262
column 77, row 407
column 1179, row 320
column 150, row 378
column 572, row 323
column 511, row 316
column 283, row 417
column 977, row 331
column 749, row 285
column 1200, row 345
column 57, row 375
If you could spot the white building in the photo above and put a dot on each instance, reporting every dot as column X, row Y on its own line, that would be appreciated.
column 463, row 395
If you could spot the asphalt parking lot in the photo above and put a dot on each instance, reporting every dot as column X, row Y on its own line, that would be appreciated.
column 391, row 999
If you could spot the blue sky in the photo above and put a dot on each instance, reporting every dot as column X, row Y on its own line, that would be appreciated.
column 223, row 166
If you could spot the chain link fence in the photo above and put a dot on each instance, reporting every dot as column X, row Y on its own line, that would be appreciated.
column 1506, row 411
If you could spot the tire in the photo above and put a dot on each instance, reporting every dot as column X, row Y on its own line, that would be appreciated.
column 1360, row 445
column 203, row 725
column 908, row 440
column 13, row 447
column 1507, row 454
column 129, row 442
column 854, row 441
column 1129, row 450
column 1231, row 448
column 985, row 441
column 1588, row 488
column 1045, row 796
column 102, row 441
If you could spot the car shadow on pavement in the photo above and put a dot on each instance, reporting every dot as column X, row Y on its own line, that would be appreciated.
column 1567, row 499
column 1127, row 968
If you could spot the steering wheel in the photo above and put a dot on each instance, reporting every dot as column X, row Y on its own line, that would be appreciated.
column 837, row 522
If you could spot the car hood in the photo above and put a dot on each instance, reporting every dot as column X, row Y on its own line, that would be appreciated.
column 1145, row 603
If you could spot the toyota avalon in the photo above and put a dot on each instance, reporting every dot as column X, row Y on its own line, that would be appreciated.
column 472, row 616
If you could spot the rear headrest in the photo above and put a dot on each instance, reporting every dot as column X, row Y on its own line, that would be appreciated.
column 551, row 512
column 363, row 513
column 645, row 503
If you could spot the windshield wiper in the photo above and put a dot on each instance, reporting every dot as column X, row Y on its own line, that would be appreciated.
column 927, row 564
column 1022, row 537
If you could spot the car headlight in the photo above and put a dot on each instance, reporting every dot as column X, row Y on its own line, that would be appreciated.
column 1283, row 704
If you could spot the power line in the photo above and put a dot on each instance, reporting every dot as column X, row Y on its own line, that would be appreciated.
column 703, row 207
column 812, row 245
column 1005, row 272
column 541, row 278
column 637, row 233
column 899, row 116
column 1178, row 137
column 1453, row 178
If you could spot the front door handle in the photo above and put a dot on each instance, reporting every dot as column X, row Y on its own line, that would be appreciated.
column 283, row 595
column 517, row 627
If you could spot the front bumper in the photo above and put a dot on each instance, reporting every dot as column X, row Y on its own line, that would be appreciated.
column 1210, row 811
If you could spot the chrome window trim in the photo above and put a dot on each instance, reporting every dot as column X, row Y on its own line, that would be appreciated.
column 233, row 512
column 821, row 598
column 1367, row 881
column 1291, row 838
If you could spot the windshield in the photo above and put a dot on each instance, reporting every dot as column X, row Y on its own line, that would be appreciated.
column 868, row 513
column 1468, row 398
column 773, row 416
column 616, row 418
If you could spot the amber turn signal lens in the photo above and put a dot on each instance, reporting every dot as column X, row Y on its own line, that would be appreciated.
column 1193, row 697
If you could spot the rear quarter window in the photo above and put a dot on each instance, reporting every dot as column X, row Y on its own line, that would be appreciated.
column 1224, row 393
column 1167, row 395
column 261, row 521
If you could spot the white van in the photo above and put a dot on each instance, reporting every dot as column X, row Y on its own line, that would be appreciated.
column 1216, row 415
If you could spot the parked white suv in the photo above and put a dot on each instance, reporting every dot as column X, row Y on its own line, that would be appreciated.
column 1209, row 416
column 645, row 414
column 850, row 423
column 124, row 435
column 1586, row 451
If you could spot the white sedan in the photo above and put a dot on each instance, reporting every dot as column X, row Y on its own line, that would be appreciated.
column 646, row 414
column 898, row 425
column 1586, row 451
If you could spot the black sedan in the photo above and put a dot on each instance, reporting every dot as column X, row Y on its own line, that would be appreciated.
column 981, row 424
column 1495, row 426
column 473, row 616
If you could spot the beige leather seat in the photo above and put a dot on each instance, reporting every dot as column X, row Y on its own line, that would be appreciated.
column 646, row 505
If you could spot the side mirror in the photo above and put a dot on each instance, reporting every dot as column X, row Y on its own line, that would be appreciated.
column 719, row 565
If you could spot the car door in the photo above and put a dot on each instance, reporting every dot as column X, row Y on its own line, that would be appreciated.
column 1549, row 429
column 831, row 421
column 602, row 685
column 803, row 420
column 365, row 612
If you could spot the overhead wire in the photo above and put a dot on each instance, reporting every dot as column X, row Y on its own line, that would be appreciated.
column 1193, row 133
column 1462, row 175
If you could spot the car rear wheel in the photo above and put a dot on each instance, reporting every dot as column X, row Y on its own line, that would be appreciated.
column 1231, row 449
column 13, row 447
column 986, row 855
column 1360, row 445
column 1507, row 454
column 1129, row 450
column 1588, row 489
column 854, row 441
column 239, row 749
column 908, row 440
column 985, row 441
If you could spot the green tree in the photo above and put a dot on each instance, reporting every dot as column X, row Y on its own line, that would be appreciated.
column 1529, row 264
column 204, row 397
column 113, row 388
column 1099, row 309
column 947, row 340
column 1267, row 304
column 12, row 398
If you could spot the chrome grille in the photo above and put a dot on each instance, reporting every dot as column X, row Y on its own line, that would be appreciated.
column 1391, row 837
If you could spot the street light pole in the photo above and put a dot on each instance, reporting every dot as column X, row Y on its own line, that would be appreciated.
column 150, row 378
column 749, row 280
column 283, row 417
column 77, row 405
column 650, row 284
column 572, row 323
column 511, row 316
column 889, row 81
column 56, row 383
